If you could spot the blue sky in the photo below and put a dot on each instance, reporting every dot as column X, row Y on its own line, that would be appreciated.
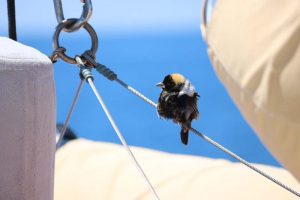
column 38, row 16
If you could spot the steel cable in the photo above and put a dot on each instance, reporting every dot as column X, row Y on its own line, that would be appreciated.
column 109, row 74
column 113, row 124
column 87, row 75
column 64, row 128
column 204, row 137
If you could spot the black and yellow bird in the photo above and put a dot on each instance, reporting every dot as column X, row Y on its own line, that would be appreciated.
column 178, row 101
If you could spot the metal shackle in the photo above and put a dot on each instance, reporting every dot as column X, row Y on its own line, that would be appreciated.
column 87, row 10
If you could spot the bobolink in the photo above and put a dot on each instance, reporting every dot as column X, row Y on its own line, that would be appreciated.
column 178, row 101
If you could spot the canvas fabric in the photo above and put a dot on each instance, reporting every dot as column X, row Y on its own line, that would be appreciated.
column 254, row 47
column 97, row 170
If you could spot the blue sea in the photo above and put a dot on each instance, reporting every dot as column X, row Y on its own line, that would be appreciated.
column 142, row 60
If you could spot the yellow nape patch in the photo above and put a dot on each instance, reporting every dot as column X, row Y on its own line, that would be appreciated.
column 177, row 78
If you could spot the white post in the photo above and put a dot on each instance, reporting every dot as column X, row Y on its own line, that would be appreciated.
column 27, row 123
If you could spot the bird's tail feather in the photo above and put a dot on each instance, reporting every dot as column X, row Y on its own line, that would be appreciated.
column 184, row 135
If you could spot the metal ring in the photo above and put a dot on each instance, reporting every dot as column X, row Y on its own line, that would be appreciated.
column 87, row 10
column 61, row 26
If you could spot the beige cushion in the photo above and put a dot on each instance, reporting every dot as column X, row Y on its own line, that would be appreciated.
column 93, row 170
column 254, row 46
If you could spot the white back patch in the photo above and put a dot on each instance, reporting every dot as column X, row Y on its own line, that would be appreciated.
column 187, row 89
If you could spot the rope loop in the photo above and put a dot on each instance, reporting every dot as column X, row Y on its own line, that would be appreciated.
column 87, row 10
column 55, row 54
column 61, row 54
column 89, row 58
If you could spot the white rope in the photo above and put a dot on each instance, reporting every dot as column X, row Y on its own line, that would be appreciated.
column 64, row 128
column 121, row 138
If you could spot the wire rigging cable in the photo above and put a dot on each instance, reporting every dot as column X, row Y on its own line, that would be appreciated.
column 69, row 25
column 106, row 72
column 87, row 61
column 88, row 77
column 64, row 128
column 225, row 150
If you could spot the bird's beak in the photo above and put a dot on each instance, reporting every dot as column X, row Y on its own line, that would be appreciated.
column 160, row 85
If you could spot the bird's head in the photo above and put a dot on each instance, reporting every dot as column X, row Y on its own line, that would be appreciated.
column 171, row 82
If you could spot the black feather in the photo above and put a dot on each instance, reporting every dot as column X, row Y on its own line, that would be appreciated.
column 184, row 135
column 181, row 109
